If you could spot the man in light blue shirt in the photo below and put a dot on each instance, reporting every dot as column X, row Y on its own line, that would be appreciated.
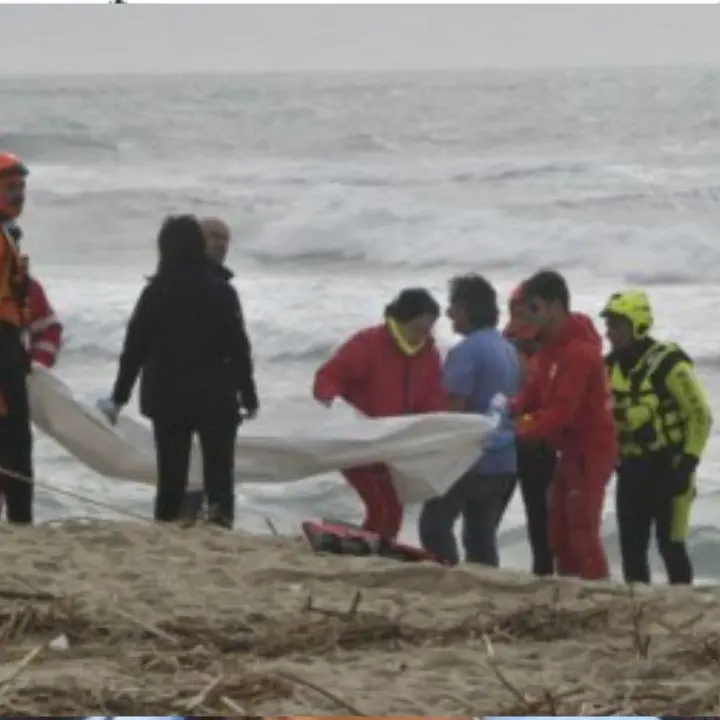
column 481, row 373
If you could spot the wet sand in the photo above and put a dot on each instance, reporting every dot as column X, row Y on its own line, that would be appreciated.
column 167, row 621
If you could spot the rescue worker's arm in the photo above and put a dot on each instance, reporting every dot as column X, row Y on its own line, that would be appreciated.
column 459, row 375
column 569, row 385
column 240, row 351
column 347, row 365
column 46, row 330
column 136, row 347
column 434, row 397
column 683, row 384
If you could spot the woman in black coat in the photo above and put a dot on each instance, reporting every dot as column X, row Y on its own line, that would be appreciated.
column 187, row 337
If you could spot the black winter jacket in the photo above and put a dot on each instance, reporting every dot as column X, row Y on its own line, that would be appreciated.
column 187, row 336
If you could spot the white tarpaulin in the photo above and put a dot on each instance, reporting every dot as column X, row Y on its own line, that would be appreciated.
column 426, row 453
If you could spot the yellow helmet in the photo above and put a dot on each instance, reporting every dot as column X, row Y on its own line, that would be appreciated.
column 634, row 305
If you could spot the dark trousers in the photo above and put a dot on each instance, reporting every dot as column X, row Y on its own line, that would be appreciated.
column 173, row 442
column 481, row 500
column 536, row 467
column 643, row 499
column 16, row 488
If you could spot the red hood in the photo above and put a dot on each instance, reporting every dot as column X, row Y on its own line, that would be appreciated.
column 579, row 326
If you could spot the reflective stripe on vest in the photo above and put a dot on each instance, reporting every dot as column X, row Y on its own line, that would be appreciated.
column 649, row 419
column 12, row 293
column 43, row 323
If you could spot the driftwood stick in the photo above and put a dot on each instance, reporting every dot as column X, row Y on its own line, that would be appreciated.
column 19, row 669
column 232, row 705
column 202, row 696
column 271, row 527
column 26, row 595
column 348, row 614
column 148, row 627
column 321, row 691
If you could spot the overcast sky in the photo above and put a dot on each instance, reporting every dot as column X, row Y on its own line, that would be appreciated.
column 141, row 37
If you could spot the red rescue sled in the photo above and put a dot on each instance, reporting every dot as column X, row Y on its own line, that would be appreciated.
column 341, row 539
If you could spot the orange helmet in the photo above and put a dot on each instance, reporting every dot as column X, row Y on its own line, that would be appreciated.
column 517, row 328
column 12, row 186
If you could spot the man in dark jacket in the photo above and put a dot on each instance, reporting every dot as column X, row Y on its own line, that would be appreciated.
column 217, row 244
column 217, row 241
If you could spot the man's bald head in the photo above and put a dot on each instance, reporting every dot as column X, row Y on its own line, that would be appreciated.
column 217, row 238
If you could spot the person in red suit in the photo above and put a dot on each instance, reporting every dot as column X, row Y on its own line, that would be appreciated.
column 392, row 368
column 568, row 405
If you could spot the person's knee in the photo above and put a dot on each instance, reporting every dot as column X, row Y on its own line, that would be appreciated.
column 394, row 515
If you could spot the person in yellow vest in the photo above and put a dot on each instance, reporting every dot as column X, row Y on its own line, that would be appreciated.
column 664, row 423
column 15, row 432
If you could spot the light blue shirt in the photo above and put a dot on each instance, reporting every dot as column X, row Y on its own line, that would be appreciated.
column 481, row 367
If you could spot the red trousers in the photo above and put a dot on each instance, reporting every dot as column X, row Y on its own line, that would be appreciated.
column 575, row 506
column 383, row 511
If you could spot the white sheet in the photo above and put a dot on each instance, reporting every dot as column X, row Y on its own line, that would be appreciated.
column 426, row 453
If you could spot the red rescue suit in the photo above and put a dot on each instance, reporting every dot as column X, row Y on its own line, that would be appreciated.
column 375, row 375
column 568, row 404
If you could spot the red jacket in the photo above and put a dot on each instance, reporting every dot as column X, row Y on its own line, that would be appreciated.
column 44, row 329
column 373, row 374
column 568, row 398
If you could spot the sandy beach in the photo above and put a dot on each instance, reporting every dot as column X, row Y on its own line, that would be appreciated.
column 163, row 621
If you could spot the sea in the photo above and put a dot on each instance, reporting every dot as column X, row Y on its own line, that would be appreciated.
column 341, row 189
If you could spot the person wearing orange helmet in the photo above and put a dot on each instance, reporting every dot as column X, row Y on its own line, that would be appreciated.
column 15, row 431
column 536, row 460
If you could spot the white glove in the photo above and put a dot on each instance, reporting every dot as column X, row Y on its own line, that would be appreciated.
column 109, row 409
column 498, row 408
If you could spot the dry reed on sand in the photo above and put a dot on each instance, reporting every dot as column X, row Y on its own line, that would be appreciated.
column 165, row 622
